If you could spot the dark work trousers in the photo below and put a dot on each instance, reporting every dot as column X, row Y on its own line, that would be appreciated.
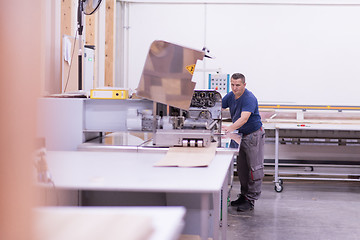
column 250, row 164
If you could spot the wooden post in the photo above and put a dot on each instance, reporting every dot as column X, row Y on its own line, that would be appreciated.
column 66, row 17
column 67, row 22
column 90, row 37
column 109, row 42
column 90, row 29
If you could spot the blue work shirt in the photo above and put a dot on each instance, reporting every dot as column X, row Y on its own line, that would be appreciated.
column 248, row 103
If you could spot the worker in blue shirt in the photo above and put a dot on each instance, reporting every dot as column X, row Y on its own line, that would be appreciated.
column 246, row 120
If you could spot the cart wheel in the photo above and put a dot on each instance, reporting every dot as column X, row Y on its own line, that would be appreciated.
column 281, row 182
column 278, row 187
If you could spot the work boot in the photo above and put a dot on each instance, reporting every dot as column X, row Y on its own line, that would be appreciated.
column 245, row 206
column 241, row 199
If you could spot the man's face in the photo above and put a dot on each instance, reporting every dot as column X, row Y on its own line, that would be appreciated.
column 237, row 86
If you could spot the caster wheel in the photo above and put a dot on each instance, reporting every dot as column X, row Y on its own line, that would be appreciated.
column 278, row 188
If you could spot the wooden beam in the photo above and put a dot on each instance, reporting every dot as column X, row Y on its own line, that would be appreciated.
column 90, row 37
column 90, row 21
column 66, row 29
column 66, row 17
column 109, row 42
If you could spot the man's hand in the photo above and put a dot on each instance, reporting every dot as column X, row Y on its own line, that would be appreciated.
column 234, row 136
column 228, row 129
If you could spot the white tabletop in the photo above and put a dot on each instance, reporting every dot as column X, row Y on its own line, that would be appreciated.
column 313, row 126
column 164, row 223
column 133, row 171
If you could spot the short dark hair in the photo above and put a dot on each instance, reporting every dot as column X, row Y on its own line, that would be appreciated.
column 238, row 76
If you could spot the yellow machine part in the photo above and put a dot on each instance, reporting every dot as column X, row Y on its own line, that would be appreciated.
column 109, row 94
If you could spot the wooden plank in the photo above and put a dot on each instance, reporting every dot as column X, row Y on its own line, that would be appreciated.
column 90, row 37
column 66, row 29
column 109, row 42
column 90, row 22
column 66, row 17
column 70, row 78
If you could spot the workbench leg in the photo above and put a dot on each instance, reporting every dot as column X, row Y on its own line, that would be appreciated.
column 276, row 155
column 217, row 214
column 205, row 206
column 224, row 212
column 278, row 183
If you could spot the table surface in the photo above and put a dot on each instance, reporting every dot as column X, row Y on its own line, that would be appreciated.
column 134, row 140
column 312, row 126
column 134, row 171
column 164, row 223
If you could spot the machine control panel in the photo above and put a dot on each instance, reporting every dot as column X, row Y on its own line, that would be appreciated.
column 220, row 83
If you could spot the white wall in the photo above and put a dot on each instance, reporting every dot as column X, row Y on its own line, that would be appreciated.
column 182, row 24
column 297, row 52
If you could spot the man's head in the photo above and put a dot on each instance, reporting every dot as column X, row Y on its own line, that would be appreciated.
column 238, row 84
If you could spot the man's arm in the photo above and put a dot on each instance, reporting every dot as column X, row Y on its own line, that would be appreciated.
column 238, row 123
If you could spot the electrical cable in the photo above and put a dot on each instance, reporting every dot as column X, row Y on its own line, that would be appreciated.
column 71, row 63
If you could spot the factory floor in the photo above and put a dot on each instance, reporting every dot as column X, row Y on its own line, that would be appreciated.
column 309, row 210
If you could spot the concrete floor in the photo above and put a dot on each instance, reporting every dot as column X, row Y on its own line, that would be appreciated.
column 303, row 210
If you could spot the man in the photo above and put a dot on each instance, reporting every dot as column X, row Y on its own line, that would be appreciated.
column 245, row 116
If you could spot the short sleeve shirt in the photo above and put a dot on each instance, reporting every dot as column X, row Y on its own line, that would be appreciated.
column 248, row 103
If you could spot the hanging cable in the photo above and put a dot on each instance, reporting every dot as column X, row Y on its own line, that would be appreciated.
column 71, row 63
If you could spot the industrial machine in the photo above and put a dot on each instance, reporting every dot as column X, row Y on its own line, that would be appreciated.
column 181, row 116
column 196, row 127
column 165, row 111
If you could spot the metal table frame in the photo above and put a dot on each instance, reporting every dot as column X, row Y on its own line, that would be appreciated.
column 278, row 180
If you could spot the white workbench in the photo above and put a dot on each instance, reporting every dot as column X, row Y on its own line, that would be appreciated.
column 67, row 223
column 315, row 126
column 134, row 172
